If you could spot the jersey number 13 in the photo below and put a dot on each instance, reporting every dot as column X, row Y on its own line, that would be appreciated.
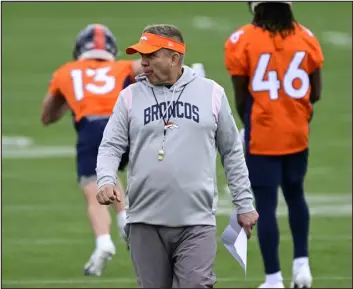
column 106, row 85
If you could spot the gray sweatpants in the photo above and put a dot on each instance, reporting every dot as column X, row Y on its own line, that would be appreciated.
column 166, row 257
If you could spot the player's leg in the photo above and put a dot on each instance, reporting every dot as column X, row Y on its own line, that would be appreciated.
column 294, row 171
column 98, row 215
column 119, row 207
column 265, row 177
column 100, row 221
column 89, row 137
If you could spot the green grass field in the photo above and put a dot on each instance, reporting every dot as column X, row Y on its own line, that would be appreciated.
column 46, row 238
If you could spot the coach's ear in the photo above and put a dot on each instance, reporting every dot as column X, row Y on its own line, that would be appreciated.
column 176, row 58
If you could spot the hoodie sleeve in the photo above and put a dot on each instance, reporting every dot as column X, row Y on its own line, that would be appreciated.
column 231, row 151
column 114, row 142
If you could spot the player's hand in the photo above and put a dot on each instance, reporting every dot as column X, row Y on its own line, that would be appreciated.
column 248, row 221
column 199, row 69
column 108, row 194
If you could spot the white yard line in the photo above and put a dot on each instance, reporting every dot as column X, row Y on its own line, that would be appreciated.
column 317, row 197
column 22, row 147
column 15, row 242
column 338, row 39
column 211, row 24
column 16, row 141
column 321, row 204
column 133, row 280
column 335, row 38
column 38, row 152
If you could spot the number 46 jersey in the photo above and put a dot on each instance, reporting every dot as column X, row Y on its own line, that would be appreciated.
column 91, row 87
column 278, row 108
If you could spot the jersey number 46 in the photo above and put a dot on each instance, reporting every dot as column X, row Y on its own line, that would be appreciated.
column 272, row 84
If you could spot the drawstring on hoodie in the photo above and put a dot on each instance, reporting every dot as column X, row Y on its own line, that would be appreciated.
column 165, row 99
column 161, row 151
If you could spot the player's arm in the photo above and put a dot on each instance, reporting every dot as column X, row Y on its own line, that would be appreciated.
column 236, row 63
column 54, row 104
column 316, row 86
column 240, row 87
column 315, row 64
column 53, row 108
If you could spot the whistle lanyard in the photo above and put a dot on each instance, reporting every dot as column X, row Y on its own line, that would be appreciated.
column 164, row 115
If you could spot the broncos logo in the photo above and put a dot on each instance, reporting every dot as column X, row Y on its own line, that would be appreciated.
column 171, row 125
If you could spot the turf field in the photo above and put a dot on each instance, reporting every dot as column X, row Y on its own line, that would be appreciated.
column 45, row 234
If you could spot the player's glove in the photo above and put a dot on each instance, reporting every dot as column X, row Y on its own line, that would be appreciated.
column 199, row 69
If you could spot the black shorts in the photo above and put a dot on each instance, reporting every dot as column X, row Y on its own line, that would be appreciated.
column 90, row 133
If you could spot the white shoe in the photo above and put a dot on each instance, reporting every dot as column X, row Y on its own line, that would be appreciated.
column 277, row 285
column 302, row 278
column 122, row 233
column 98, row 260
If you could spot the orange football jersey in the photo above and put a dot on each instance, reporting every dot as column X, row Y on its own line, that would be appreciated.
column 279, row 108
column 91, row 87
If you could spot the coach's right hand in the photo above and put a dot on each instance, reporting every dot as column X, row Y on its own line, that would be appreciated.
column 107, row 194
column 248, row 221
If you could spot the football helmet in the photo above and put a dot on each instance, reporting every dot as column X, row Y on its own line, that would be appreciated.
column 95, row 41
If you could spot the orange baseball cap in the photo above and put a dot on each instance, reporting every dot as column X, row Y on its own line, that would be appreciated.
column 150, row 43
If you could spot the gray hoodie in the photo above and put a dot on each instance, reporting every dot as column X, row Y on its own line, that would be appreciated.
column 181, row 189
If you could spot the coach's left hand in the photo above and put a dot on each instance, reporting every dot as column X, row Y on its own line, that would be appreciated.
column 248, row 221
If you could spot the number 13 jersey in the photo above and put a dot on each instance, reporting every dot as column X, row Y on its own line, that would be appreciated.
column 91, row 87
column 278, row 108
